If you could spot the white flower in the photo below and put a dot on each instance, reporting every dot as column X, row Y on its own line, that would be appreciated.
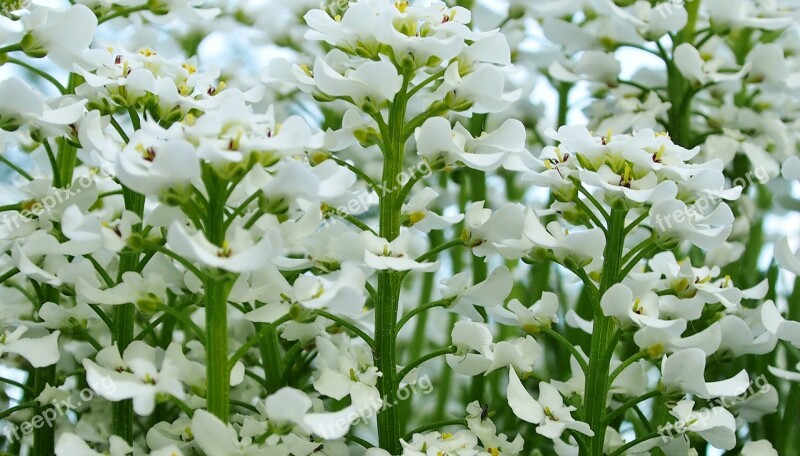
column 489, row 293
column 25, row 106
column 133, row 288
column 134, row 375
column 240, row 252
column 61, row 33
column 436, row 141
column 476, row 353
column 714, row 425
column 541, row 314
column 759, row 448
column 693, row 67
column 744, row 14
column 548, row 412
column 380, row 254
column 784, row 256
column 673, row 219
column 345, row 370
column 69, row 444
column 39, row 351
column 155, row 161
column 423, row 219
column 482, row 90
column 342, row 292
column 592, row 66
column 337, row 76
column 618, row 302
column 488, row 232
column 787, row 330
column 214, row 437
column 684, row 371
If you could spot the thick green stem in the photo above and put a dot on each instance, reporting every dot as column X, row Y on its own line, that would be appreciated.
column 44, row 437
column 271, row 354
column 217, row 374
column 597, row 382
column 217, row 287
column 123, row 318
column 680, row 114
column 389, row 282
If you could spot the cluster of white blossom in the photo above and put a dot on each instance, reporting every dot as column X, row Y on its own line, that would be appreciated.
column 230, row 253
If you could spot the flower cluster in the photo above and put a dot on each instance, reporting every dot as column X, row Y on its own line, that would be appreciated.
column 264, row 227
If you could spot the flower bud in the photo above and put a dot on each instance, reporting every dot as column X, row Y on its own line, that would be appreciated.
column 136, row 242
column 148, row 304
column 275, row 206
column 177, row 196
column 31, row 47
column 319, row 156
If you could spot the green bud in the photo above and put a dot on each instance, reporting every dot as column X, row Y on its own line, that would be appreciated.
column 31, row 47
column 319, row 156
column 9, row 124
column 177, row 196
column 136, row 242
column 275, row 206
column 369, row 107
column 433, row 61
column 323, row 97
column 516, row 12
column 119, row 100
column 156, row 7
column 539, row 255
column 296, row 312
column 148, row 304
column 176, row 115
column 585, row 162
column 565, row 193
column 667, row 241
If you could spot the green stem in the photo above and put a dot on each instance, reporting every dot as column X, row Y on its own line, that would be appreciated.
column 389, row 282
column 10, row 48
column 417, row 310
column 361, row 174
column 271, row 349
column 563, row 89
column 16, row 168
column 597, row 382
column 23, row 387
column 123, row 318
column 66, row 158
column 568, row 345
column 436, row 250
column 17, row 408
column 42, row 74
column 416, row 363
column 44, row 437
column 630, row 404
column 346, row 324
column 124, row 12
column 621, row 450
column 217, row 373
column 217, row 286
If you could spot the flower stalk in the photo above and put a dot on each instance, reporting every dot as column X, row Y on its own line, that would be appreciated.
column 597, row 381
column 389, row 282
